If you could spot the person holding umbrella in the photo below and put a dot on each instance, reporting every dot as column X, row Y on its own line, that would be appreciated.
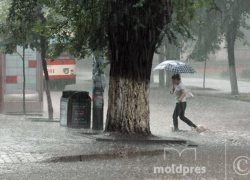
column 177, row 67
column 181, row 104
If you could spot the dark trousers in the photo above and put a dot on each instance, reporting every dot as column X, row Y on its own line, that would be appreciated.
column 180, row 111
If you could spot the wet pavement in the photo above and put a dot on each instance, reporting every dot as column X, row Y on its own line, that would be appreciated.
column 26, row 144
column 217, row 83
column 25, row 141
column 206, row 163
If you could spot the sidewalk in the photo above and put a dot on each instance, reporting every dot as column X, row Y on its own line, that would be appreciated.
column 26, row 141
column 35, row 150
column 43, row 150
column 31, row 150
column 23, row 140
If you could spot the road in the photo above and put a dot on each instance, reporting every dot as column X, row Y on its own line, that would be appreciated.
column 219, row 84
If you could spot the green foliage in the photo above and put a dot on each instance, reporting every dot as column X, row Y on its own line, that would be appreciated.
column 27, row 22
column 4, row 6
column 180, row 30
column 16, row 30
column 184, row 27
column 139, row 4
column 211, row 26
column 207, row 30
column 105, row 65
column 14, row 34
column 81, row 26
column 88, row 21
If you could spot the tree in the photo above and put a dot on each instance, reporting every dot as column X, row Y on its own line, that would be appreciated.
column 15, row 34
column 44, row 43
column 168, row 51
column 172, row 52
column 32, row 14
column 217, row 25
column 128, row 31
column 207, row 30
column 235, row 14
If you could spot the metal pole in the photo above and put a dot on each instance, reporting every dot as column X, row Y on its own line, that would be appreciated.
column 97, row 91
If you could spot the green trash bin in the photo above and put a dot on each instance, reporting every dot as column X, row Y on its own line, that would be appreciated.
column 75, row 109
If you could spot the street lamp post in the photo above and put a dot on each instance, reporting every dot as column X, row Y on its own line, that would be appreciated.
column 97, row 91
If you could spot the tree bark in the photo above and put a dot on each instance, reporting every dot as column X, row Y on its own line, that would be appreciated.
column 46, row 74
column 43, row 49
column 22, row 56
column 230, row 38
column 132, row 48
column 128, row 108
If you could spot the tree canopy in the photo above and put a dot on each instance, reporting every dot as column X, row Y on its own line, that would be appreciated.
column 127, row 31
column 81, row 26
column 210, row 26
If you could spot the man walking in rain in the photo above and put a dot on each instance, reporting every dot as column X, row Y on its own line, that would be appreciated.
column 181, row 103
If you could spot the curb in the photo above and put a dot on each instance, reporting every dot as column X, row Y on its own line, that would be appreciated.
column 192, row 144
column 56, row 120
column 158, row 141
column 131, row 140
column 27, row 114
column 105, row 156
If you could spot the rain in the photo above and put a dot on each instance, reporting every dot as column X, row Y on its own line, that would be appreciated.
column 99, row 89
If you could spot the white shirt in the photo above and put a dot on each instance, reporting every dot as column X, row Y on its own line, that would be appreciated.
column 178, row 92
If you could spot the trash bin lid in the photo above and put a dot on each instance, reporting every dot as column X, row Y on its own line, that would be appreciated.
column 75, row 94
column 80, row 95
column 67, row 94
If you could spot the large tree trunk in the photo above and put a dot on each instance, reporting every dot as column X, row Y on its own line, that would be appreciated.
column 46, row 74
column 230, row 38
column 128, row 108
column 24, row 81
column 132, row 49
